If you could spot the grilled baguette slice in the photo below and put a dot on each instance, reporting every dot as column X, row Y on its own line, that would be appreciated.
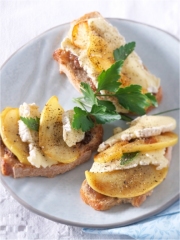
column 102, row 202
column 10, row 165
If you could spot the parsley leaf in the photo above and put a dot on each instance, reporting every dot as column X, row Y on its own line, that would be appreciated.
column 128, row 157
column 123, row 52
column 132, row 99
column 31, row 123
column 108, row 80
column 101, row 110
column 102, row 115
column 152, row 99
column 88, row 93
column 81, row 120
column 109, row 105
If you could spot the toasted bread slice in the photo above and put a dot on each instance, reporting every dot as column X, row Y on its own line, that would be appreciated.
column 102, row 202
column 10, row 165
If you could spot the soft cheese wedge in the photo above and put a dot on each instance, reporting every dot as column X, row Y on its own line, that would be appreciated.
column 140, row 144
column 10, row 134
column 142, row 127
column 70, row 135
column 51, row 133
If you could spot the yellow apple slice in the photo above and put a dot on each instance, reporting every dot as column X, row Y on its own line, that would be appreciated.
column 126, row 183
column 9, row 130
column 153, row 143
column 97, row 48
column 99, row 53
column 80, row 34
column 51, row 134
column 138, row 145
column 110, row 154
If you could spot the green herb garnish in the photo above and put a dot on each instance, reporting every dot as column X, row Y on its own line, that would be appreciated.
column 132, row 99
column 94, row 109
column 123, row 52
column 31, row 123
column 128, row 157
column 82, row 120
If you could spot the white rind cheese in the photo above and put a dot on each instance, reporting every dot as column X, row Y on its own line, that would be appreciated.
column 27, row 111
column 36, row 157
column 25, row 133
column 133, row 68
column 156, row 158
column 70, row 135
column 141, row 127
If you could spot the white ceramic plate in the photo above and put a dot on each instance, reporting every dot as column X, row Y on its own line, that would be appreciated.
column 31, row 75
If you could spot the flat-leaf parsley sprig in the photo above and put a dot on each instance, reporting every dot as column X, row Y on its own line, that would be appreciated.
column 95, row 110
column 31, row 123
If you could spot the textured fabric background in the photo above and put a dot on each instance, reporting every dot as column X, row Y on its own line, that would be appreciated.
column 164, row 225
column 21, row 21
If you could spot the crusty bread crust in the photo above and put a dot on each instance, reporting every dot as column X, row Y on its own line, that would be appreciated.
column 101, row 202
column 67, row 68
column 10, row 165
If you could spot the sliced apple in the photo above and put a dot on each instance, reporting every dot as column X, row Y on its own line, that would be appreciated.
column 51, row 134
column 99, row 53
column 126, row 183
column 110, row 154
column 97, row 48
column 152, row 143
column 80, row 34
column 9, row 130
column 139, row 145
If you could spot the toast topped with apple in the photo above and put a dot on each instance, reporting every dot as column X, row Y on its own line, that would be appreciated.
column 130, row 164
column 43, row 144
column 92, row 46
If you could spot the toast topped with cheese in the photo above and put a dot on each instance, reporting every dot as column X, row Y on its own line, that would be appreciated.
column 43, row 144
column 130, row 164
column 89, row 49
